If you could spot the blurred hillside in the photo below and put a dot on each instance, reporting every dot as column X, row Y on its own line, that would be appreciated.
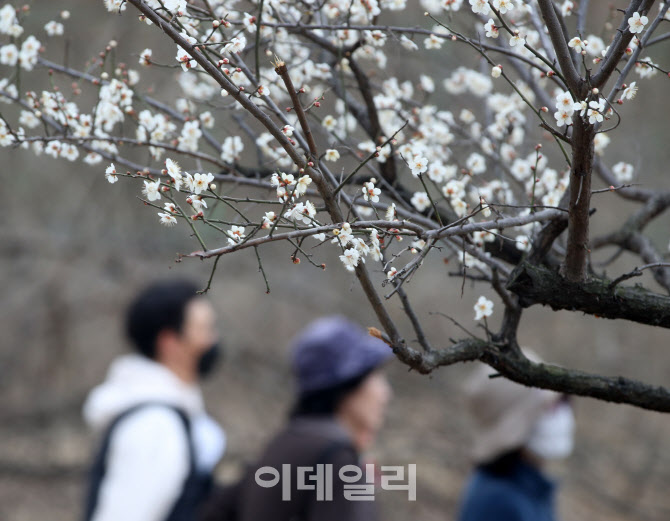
column 73, row 250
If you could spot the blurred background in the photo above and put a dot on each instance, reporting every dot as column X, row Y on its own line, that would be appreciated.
column 74, row 250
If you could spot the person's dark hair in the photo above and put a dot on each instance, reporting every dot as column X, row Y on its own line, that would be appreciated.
column 324, row 402
column 158, row 307
column 504, row 464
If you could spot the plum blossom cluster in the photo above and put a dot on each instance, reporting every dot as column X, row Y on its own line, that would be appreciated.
column 354, row 247
column 594, row 110
column 433, row 148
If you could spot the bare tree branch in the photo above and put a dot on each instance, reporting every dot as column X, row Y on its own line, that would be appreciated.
column 551, row 19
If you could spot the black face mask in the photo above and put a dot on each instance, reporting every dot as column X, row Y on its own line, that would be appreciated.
column 209, row 360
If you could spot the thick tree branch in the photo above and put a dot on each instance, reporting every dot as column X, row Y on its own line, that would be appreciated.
column 574, row 264
column 538, row 285
column 551, row 19
column 618, row 46
column 615, row 389
column 512, row 364
column 632, row 193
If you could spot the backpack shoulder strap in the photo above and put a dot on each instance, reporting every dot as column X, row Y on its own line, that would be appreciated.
column 99, row 468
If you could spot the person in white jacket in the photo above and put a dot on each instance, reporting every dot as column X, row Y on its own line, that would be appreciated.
column 158, row 446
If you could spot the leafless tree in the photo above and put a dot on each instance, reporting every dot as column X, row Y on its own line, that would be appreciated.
column 396, row 161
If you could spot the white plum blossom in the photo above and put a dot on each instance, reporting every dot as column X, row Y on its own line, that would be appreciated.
column 433, row 42
column 476, row 163
column 350, row 258
column 9, row 55
column 115, row 6
column 427, row 84
column 110, row 174
column 375, row 246
column 567, row 7
column 418, row 165
column 176, row 6
column 371, row 192
column 206, row 119
column 54, row 28
column 503, row 5
column 480, row 6
column 69, row 152
column 486, row 209
column 577, row 44
column 231, row 149
column 375, row 38
column 301, row 185
column 281, row 181
column 152, row 190
column 343, row 236
column 629, row 92
column 201, row 182
column 390, row 214
column 517, row 39
column 563, row 118
column 190, row 135
column 408, row 44
column 174, row 171
column 459, row 206
column 582, row 107
column 304, row 212
column 566, row 108
column 491, row 29
column 623, row 172
column 420, row 201
column 595, row 45
column 522, row 243
column 184, row 58
column 481, row 237
column 646, row 68
column 565, row 103
column 308, row 212
column 483, row 308
column 637, row 23
column 454, row 189
column 145, row 57
column 235, row 235
column 197, row 202
column 29, row 119
column 249, row 22
column 7, row 18
column 393, row 5
column 167, row 219
column 595, row 111
column 331, row 155
column 29, row 51
column 496, row 71
column 236, row 45
column 268, row 219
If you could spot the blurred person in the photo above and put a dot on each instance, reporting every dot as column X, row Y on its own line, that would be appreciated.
column 342, row 395
column 518, row 430
column 158, row 446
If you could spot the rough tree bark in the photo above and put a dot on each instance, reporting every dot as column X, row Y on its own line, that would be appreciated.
column 574, row 265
